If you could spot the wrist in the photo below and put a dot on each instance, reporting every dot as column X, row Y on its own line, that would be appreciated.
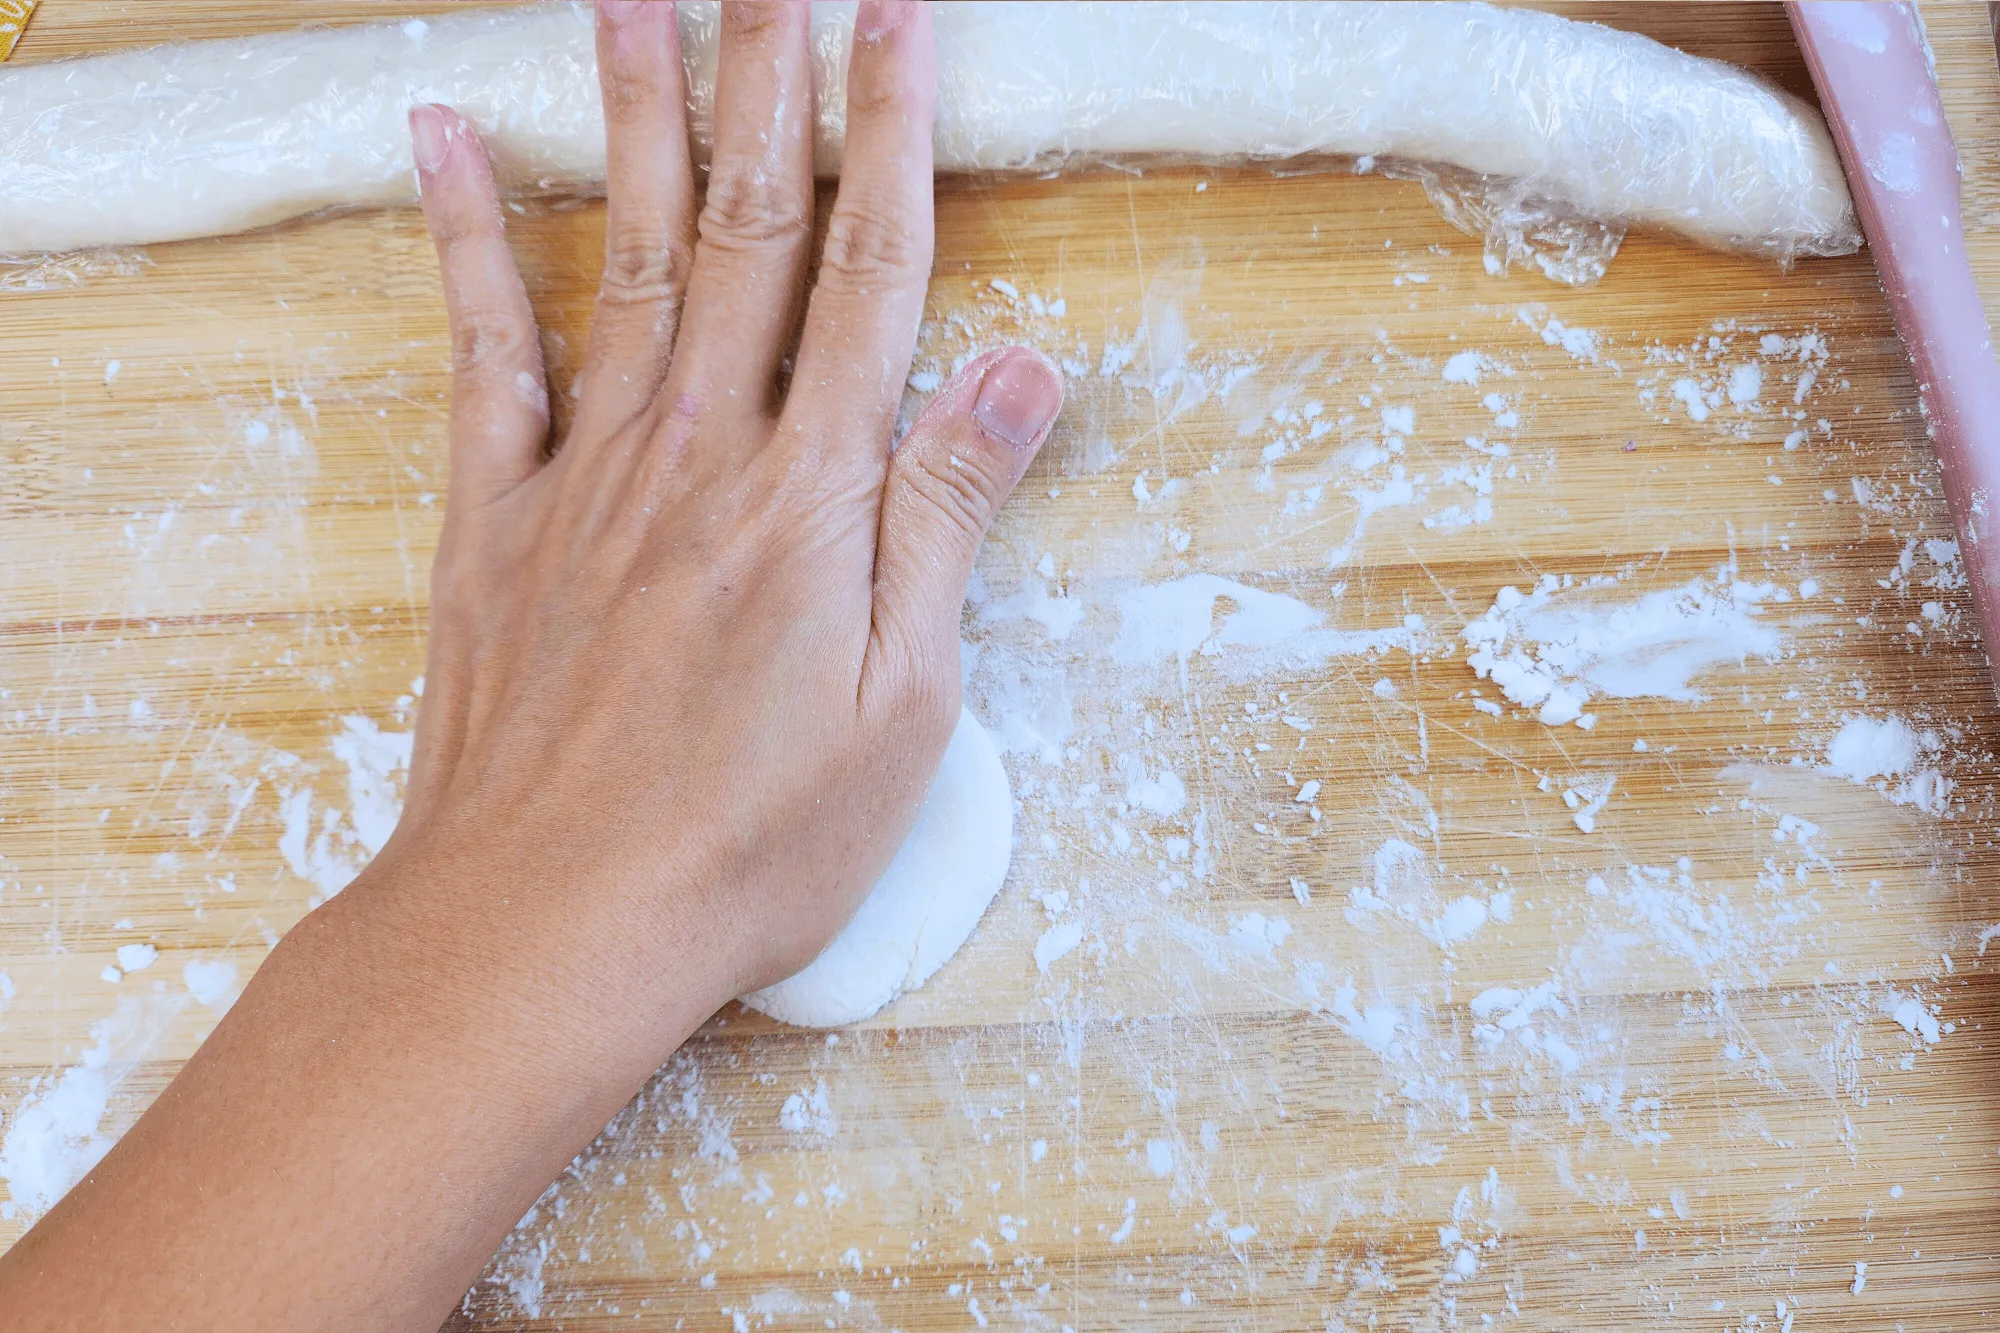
column 495, row 971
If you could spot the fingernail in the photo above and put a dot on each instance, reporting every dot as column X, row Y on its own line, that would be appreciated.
column 1018, row 400
column 430, row 137
column 876, row 19
column 617, row 11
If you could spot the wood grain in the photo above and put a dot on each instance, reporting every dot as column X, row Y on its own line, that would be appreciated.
column 213, row 557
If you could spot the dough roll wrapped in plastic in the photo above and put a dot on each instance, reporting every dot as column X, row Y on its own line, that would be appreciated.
column 203, row 138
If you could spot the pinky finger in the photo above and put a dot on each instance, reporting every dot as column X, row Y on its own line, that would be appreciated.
column 500, row 400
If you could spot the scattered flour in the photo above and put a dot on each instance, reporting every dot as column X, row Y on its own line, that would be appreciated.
column 1177, row 620
column 1560, row 644
column 328, row 849
column 1913, row 1017
column 1259, row 934
column 1894, row 758
column 212, row 982
column 1163, row 795
column 1057, row 614
column 808, row 1112
column 1464, row 368
column 1056, row 942
column 57, row 1133
column 136, row 957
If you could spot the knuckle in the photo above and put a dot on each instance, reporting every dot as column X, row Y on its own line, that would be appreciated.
column 957, row 490
column 749, row 205
column 880, row 95
column 641, row 264
column 869, row 246
column 753, row 21
column 633, row 90
column 482, row 340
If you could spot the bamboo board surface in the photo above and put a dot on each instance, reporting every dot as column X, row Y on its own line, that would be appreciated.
column 1255, row 1092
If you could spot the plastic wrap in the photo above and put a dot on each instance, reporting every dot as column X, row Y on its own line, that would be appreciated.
column 1544, row 135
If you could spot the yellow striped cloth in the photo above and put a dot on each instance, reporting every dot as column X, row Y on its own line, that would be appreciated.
column 13, row 22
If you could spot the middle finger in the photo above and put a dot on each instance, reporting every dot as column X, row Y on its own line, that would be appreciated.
column 756, row 226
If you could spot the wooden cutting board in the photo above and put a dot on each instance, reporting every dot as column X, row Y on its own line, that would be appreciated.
column 1238, row 1058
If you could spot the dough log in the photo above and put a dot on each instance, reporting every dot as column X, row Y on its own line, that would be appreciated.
column 204, row 138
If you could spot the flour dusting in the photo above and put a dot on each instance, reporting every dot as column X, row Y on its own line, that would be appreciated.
column 1562, row 643
column 328, row 847
column 58, row 1134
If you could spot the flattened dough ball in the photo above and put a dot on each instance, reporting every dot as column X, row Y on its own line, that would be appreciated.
column 926, row 903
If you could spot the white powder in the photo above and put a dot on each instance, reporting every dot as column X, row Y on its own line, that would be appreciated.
column 1690, row 394
column 1894, row 758
column 1461, row 918
column 1589, row 798
column 1867, row 747
column 1464, row 368
column 57, row 1135
column 1502, row 1009
column 1057, row 941
column 1374, row 1026
column 1861, row 28
column 1581, row 344
column 1552, row 649
column 377, row 762
column 1164, row 795
column 1896, row 164
column 212, row 982
column 327, row 849
column 1260, row 934
column 1177, row 620
column 1402, row 875
column 1914, row 1018
column 1746, row 384
column 1059, row 615
column 807, row 1112
column 1160, row 1157
column 136, row 957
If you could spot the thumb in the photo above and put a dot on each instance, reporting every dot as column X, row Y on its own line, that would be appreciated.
column 947, row 480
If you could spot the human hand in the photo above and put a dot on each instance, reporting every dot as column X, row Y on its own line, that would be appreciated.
column 689, row 677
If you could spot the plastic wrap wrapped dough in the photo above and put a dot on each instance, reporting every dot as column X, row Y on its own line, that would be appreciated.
column 1529, row 109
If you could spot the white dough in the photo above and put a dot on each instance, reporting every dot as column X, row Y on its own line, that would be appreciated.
column 204, row 138
column 926, row 903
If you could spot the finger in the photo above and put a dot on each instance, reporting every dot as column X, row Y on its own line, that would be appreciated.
column 861, row 326
column 954, row 470
column 649, row 213
column 500, row 396
column 754, row 228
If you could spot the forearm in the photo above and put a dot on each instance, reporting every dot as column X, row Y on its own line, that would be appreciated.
column 350, row 1145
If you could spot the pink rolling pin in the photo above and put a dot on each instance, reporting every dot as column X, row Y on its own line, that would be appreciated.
column 1881, row 100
